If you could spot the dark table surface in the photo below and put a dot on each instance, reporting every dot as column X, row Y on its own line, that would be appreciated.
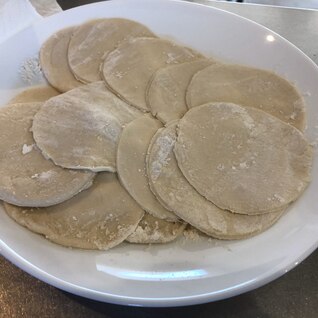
column 293, row 295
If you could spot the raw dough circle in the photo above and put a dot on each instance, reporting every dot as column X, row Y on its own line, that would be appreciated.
column 54, row 63
column 128, row 69
column 80, row 129
column 131, row 164
column 242, row 159
column 152, row 230
column 93, row 40
column 168, row 183
column 248, row 87
column 167, row 89
column 100, row 217
column 27, row 178
column 35, row 94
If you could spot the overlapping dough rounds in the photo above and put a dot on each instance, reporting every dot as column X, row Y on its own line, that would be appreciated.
column 167, row 89
column 249, row 87
column 35, row 94
column 171, row 187
column 131, row 164
column 128, row 69
column 242, row 159
column 54, row 62
column 26, row 177
column 153, row 230
column 93, row 40
column 80, row 129
column 98, row 218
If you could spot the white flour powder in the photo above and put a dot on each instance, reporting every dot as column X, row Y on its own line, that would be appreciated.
column 30, row 71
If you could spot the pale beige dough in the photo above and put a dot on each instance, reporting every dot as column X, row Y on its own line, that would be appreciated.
column 128, row 69
column 242, row 159
column 27, row 178
column 168, row 183
column 131, row 164
column 191, row 233
column 54, row 62
column 167, row 89
column 35, row 94
column 153, row 230
column 93, row 40
column 100, row 217
column 80, row 129
column 250, row 87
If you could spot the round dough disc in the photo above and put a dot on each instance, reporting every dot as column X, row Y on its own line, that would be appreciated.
column 100, row 217
column 167, row 89
column 131, row 164
column 54, row 63
column 27, row 178
column 168, row 183
column 35, row 94
column 248, row 87
column 80, row 129
column 242, row 159
column 153, row 230
column 93, row 40
column 128, row 69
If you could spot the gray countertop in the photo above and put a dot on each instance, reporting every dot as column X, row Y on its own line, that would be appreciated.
column 295, row 295
column 299, row 26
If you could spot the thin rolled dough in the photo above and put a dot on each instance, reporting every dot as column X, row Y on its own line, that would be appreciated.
column 167, row 89
column 152, row 230
column 250, row 87
column 131, row 164
column 242, row 159
column 54, row 62
column 100, row 217
column 93, row 40
column 168, row 183
column 80, row 129
column 35, row 94
column 27, row 178
column 128, row 69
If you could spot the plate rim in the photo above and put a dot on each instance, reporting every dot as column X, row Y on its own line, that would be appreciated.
column 43, row 276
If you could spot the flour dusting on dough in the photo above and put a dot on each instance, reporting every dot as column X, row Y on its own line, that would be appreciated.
column 27, row 148
column 30, row 71
column 44, row 176
column 165, row 144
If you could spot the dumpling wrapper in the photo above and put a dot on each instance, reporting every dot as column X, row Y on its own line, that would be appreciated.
column 35, row 94
column 100, row 217
column 168, row 183
column 152, row 230
column 27, row 178
column 54, row 62
column 128, row 69
column 167, row 89
column 242, row 159
column 93, row 40
column 249, row 87
column 80, row 129
column 131, row 165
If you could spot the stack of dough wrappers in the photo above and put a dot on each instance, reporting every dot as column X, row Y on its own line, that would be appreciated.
column 137, row 139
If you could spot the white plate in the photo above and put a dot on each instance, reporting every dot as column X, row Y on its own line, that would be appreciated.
column 180, row 273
